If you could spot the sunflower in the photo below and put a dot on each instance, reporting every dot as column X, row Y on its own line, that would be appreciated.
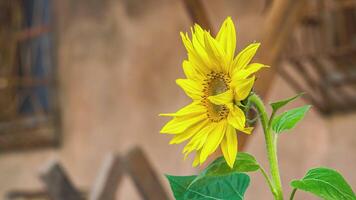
column 217, row 82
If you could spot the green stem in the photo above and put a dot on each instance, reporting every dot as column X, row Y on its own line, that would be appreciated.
column 270, row 145
column 270, row 184
column 293, row 194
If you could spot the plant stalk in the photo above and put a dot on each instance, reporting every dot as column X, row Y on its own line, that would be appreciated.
column 270, row 145
column 293, row 194
column 270, row 184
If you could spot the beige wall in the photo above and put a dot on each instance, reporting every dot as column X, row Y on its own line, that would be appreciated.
column 118, row 61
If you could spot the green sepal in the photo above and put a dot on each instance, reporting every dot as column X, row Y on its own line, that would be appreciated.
column 279, row 104
column 289, row 119
column 325, row 183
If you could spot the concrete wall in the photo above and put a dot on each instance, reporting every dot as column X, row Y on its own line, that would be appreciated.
column 118, row 60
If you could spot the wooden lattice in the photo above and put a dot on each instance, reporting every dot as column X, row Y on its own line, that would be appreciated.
column 321, row 56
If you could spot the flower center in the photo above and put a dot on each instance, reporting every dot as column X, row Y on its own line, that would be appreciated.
column 216, row 83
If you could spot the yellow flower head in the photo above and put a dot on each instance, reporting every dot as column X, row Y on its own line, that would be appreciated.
column 217, row 82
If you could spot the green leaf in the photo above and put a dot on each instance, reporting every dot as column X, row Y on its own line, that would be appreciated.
column 289, row 119
column 226, row 187
column 325, row 183
column 179, row 185
column 244, row 163
column 279, row 104
column 217, row 181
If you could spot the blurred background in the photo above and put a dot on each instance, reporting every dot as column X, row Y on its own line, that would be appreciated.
column 82, row 83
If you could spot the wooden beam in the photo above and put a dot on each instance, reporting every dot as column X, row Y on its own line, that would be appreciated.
column 26, row 195
column 108, row 180
column 27, row 134
column 281, row 20
column 143, row 175
column 344, row 79
column 32, row 32
column 30, row 195
column 331, row 95
column 323, row 86
column 300, row 68
column 198, row 13
column 298, row 88
column 57, row 183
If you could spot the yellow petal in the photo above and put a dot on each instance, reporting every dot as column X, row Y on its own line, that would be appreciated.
column 237, row 118
column 213, row 140
column 190, row 72
column 194, row 108
column 243, row 88
column 215, row 52
column 180, row 124
column 225, row 98
column 196, row 159
column 229, row 146
column 198, row 35
column 192, row 88
column 181, row 137
column 199, row 41
column 198, row 139
column 197, row 54
column 187, row 42
column 245, row 56
column 246, row 72
column 247, row 130
column 199, row 63
column 227, row 38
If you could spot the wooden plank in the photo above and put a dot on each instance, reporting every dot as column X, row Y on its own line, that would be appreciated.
column 323, row 86
column 301, row 69
column 332, row 98
column 331, row 91
column 198, row 14
column 143, row 175
column 32, row 32
column 27, row 195
column 57, row 182
column 345, row 79
column 298, row 88
column 281, row 19
column 108, row 180
column 30, row 195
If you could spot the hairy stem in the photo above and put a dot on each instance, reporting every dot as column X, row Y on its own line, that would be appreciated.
column 270, row 145
column 293, row 194
column 270, row 184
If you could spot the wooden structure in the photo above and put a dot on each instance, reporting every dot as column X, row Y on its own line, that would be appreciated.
column 320, row 58
column 59, row 186
column 29, row 115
